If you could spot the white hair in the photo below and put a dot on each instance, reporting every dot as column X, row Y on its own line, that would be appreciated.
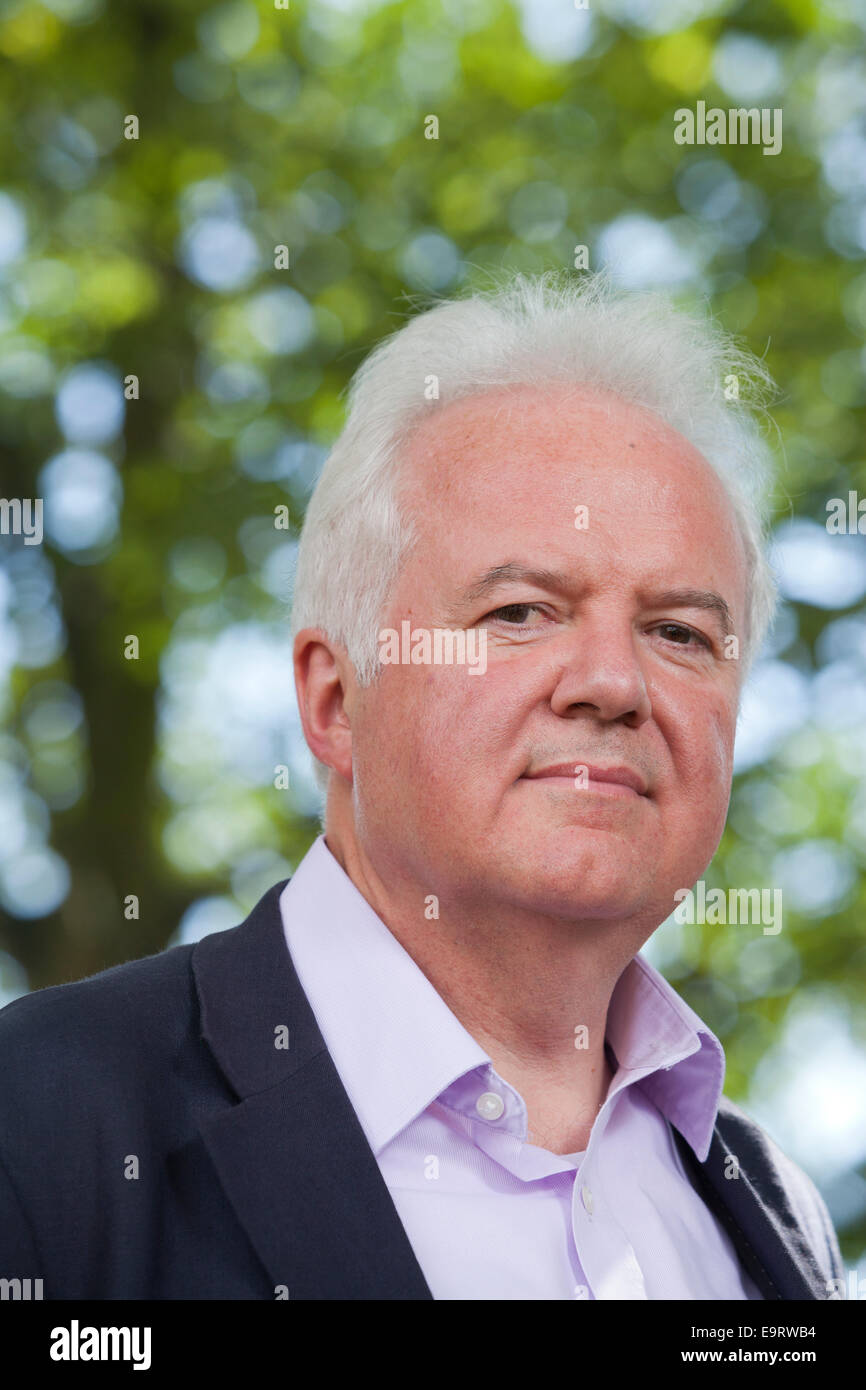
column 536, row 331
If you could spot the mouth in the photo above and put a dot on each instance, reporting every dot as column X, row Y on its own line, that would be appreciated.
column 587, row 777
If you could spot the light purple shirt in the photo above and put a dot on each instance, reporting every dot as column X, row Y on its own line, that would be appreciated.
column 487, row 1213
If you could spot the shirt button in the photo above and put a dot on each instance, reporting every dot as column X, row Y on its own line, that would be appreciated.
column 586, row 1197
column 490, row 1106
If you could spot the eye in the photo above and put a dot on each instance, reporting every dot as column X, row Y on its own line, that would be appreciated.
column 512, row 609
column 679, row 634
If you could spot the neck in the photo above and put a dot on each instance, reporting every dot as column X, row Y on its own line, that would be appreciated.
column 533, row 991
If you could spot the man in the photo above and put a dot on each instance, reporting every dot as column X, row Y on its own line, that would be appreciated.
column 433, row 1064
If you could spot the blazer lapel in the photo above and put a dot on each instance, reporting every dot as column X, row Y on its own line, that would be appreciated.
column 753, row 1208
column 291, row 1154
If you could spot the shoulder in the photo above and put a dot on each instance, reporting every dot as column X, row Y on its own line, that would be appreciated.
column 103, row 1015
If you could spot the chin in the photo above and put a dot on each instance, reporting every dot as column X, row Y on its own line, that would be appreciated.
column 577, row 889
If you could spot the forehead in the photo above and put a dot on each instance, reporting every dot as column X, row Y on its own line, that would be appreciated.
column 510, row 466
column 512, row 427
column 540, row 435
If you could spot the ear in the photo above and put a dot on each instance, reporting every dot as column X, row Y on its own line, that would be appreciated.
column 324, row 682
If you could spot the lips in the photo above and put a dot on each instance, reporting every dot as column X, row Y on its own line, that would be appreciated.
column 625, row 777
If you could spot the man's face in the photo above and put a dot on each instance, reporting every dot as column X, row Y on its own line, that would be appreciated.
column 612, row 660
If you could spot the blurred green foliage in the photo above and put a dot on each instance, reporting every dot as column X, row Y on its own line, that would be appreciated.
column 304, row 127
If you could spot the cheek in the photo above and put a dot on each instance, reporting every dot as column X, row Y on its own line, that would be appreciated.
column 441, row 728
column 694, row 810
column 414, row 725
column 703, row 755
column 487, row 715
column 720, row 740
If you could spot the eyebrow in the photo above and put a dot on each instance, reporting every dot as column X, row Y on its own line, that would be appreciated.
column 557, row 579
column 512, row 572
column 698, row 598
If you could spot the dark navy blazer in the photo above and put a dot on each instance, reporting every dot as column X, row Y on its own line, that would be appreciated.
column 156, row 1143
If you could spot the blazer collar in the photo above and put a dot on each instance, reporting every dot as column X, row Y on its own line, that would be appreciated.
column 744, row 1189
column 291, row 1154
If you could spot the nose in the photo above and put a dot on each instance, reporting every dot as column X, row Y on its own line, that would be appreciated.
column 602, row 673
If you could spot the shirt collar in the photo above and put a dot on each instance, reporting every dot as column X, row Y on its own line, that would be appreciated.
column 397, row 1046
column 661, row 1044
